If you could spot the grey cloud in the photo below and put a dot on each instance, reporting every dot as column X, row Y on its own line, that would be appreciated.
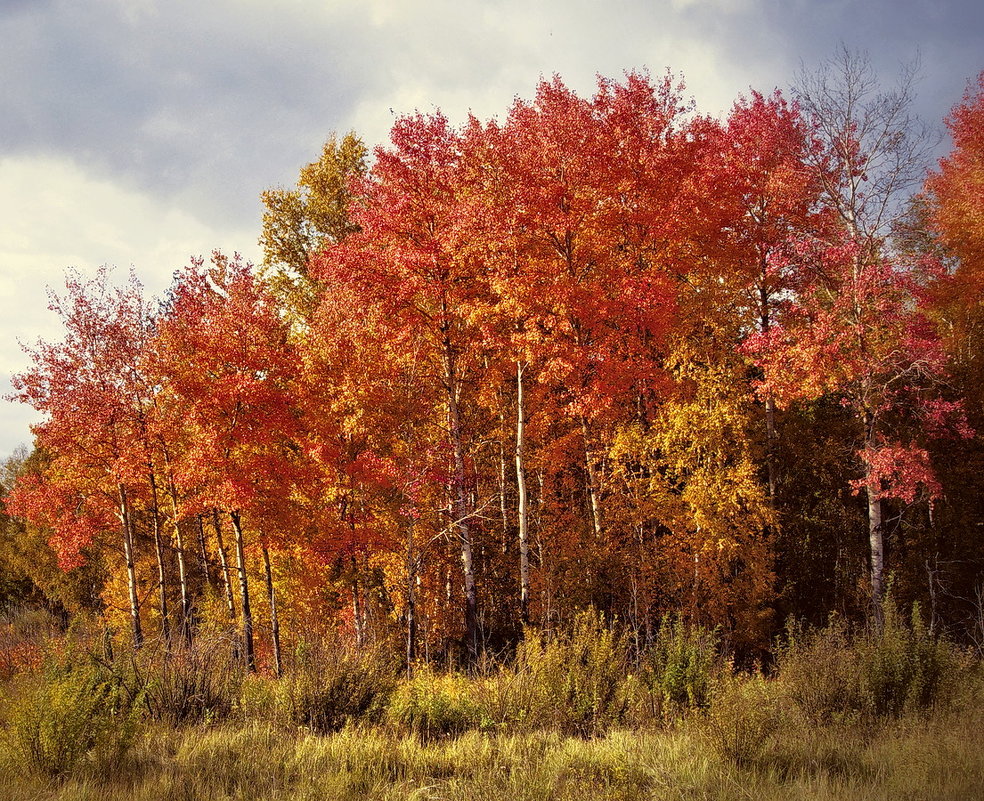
column 209, row 103
column 178, row 101
column 946, row 35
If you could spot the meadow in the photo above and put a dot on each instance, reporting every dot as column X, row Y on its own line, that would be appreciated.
column 843, row 713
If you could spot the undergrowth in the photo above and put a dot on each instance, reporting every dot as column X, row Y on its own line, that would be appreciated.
column 74, row 715
column 328, row 686
column 574, row 714
column 835, row 674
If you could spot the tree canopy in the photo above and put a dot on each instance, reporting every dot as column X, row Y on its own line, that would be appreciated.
column 606, row 351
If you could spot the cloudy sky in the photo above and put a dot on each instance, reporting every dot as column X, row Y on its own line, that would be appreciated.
column 137, row 132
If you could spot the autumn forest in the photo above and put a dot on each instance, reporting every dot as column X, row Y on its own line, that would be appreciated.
column 604, row 353
column 602, row 449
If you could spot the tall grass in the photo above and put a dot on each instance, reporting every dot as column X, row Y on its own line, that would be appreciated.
column 888, row 713
column 572, row 681
column 940, row 759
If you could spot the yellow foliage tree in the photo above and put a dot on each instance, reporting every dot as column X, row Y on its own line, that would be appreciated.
column 300, row 222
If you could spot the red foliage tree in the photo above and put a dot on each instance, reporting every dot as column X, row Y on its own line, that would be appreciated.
column 225, row 370
column 94, row 399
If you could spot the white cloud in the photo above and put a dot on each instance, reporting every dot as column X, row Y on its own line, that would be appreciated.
column 56, row 216
column 476, row 57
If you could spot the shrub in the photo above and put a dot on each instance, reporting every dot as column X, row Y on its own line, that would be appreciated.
column 329, row 686
column 681, row 664
column 903, row 667
column 834, row 675
column 192, row 683
column 573, row 681
column 25, row 634
column 434, row 705
column 69, row 715
column 820, row 672
column 744, row 717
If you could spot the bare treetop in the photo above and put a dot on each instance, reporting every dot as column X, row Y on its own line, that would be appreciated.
column 872, row 150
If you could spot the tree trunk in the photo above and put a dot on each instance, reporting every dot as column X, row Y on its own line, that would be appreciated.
column 274, row 619
column 771, row 441
column 875, row 538
column 131, row 573
column 503, row 501
column 357, row 612
column 592, row 483
column 523, row 511
column 203, row 552
column 765, row 324
column 876, row 542
column 224, row 565
column 459, row 505
column 411, row 601
column 186, row 611
column 248, row 650
column 460, row 511
column 182, row 578
column 159, row 551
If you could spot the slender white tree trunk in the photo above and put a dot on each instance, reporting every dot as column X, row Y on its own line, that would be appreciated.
column 159, row 552
column 523, row 511
column 876, row 540
column 131, row 572
column 771, row 440
column 592, row 483
column 411, row 601
column 182, row 573
column 459, row 503
column 203, row 551
column 224, row 565
column 875, row 532
column 248, row 650
column 274, row 617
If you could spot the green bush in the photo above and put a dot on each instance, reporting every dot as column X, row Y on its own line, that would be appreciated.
column 573, row 681
column 833, row 674
column 904, row 668
column 680, row 665
column 434, row 705
column 326, row 688
column 68, row 717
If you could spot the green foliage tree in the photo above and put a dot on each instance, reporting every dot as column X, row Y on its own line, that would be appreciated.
column 298, row 223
